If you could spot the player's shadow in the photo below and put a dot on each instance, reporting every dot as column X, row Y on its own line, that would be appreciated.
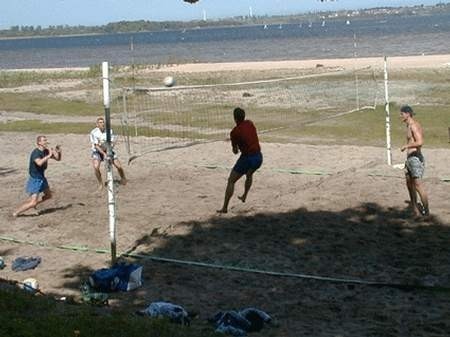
column 5, row 252
column 4, row 171
column 57, row 209
column 50, row 210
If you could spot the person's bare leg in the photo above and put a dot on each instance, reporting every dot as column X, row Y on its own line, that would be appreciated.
column 98, row 174
column 247, row 185
column 118, row 165
column 412, row 195
column 234, row 176
column 30, row 203
column 423, row 195
column 47, row 195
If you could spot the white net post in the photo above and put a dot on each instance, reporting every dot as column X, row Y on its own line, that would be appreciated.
column 388, row 117
column 355, row 55
column 109, row 171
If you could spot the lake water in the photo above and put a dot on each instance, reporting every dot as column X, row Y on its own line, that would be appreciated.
column 390, row 36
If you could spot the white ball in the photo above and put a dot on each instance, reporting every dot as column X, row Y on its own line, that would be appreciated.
column 30, row 284
column 169, row 81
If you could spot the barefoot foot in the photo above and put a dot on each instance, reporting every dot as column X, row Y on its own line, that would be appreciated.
column 222, row 211
column 242, row 198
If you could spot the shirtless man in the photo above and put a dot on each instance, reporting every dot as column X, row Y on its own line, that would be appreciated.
column 98, row 152
column 244, row 138
column 415, row 162
column 37, row 182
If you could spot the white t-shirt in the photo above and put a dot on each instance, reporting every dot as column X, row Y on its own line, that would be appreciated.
column 98, row 137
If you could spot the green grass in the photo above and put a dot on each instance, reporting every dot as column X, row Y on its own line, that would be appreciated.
column 290, row 105
column 365, row 127
column 441, row 75
column 129, row 78
column 25, row 315
column 37, row 126
column 41, row 104
column 10, row 79
column 368, row 127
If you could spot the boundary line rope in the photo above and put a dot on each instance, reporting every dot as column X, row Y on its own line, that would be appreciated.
column 399, row 286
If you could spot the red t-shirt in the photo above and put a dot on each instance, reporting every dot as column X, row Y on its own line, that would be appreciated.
column 244, row 136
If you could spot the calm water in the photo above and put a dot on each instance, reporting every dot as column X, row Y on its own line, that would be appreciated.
column 319, row 39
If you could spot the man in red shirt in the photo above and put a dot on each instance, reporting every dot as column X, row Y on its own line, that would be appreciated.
column 244, row 138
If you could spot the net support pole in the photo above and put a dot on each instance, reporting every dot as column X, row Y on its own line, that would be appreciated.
column 355, row 56
column 110, row 158
column 127, row 118
column 388, row 116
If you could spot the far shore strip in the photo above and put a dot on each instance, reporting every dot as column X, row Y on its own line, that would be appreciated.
column 395, row 62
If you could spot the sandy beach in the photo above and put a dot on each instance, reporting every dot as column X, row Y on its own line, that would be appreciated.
column 324, row 211
column 351, row 222
column 397, row 62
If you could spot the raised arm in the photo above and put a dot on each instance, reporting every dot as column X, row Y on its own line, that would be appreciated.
column 43, row 160
column 57, row 153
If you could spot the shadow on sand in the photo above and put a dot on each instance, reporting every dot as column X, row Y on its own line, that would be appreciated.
column 368, row 243
column 4, row 171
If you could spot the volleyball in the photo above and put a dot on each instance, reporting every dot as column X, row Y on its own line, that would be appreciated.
column 169, row 81
column 30, row 284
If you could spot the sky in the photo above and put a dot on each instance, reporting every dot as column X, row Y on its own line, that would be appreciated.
column 99, row 12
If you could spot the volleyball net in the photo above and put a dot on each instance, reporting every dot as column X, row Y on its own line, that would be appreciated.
column 160, row 118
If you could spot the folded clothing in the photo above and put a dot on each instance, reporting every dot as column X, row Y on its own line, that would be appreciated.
column 175, row 313
column 23, row 263
column 120, row 277
column 238, row 323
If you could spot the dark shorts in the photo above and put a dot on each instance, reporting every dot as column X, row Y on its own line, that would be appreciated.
column 36, row 185
column 248, row 162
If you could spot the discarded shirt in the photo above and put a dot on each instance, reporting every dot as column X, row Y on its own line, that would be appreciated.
column 238, row 323
column 175, row 313
column 23, row 263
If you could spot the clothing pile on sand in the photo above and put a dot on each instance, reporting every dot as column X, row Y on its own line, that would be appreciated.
column 231, row 322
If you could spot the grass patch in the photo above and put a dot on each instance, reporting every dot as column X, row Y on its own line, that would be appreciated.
column 155, row 79
column 441, row 75
column 10, row 79
column 287, row 107
column 25, row 315
column 47, row 105
column 37, row 126
column 365, row 127
column 368, row 127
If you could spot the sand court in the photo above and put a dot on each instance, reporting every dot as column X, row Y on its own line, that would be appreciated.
column 349, row 222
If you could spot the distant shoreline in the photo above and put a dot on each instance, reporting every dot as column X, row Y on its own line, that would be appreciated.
column 6, row 38
column 395, row 62
column 158, row 26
